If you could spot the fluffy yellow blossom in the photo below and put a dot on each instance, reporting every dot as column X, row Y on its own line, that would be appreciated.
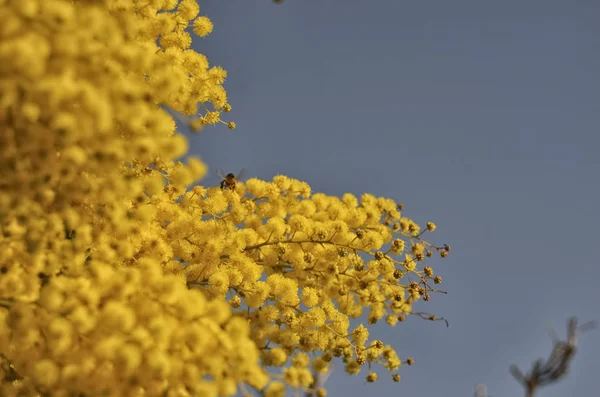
column 275, row 357
column 283, row 289
column 46, row 373
column 203, row 26
column 188, row 9
column 352, row 367
column 275, row 389
column 218, row 283
column 118, row 275
column 310, row 296
column 360, row 335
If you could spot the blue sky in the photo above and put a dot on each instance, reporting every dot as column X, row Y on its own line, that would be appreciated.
column 480, row 116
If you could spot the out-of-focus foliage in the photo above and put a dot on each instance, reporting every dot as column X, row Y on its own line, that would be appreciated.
column 118, row 276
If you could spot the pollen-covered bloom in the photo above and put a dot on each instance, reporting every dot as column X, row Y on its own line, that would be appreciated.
column 203, row 26
column 120, row 272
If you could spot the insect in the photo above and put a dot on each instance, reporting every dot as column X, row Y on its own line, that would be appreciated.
column 229, row 181
column 319, row 381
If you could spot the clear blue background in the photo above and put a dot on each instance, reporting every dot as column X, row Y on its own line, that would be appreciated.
column 481, row 116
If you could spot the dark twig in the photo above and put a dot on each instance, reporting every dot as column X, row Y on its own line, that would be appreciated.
column 557, row 365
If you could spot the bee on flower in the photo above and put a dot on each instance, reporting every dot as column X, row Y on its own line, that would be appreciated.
column 229, row 181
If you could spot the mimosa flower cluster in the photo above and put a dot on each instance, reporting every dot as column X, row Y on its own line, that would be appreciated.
column 121, row 277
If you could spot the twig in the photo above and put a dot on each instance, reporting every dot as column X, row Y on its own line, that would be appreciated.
column 557, row 365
